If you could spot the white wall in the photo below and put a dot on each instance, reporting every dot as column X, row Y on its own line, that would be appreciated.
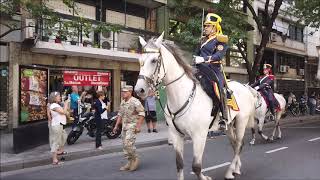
column 312, row 41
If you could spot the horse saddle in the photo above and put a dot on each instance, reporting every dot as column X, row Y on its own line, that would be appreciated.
column 210, row 86
column 277, row 107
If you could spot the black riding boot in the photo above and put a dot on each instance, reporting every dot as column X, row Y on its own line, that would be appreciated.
column 271, row 108
column 224, row 118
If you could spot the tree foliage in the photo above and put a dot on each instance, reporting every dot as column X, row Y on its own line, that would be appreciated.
column 45, row 15
column 234, row 24
column 307, row 11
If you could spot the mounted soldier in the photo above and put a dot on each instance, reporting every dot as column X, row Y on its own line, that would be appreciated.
column 208, row 61
column 265, row 85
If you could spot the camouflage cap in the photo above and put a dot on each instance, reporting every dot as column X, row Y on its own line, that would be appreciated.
column 127, row 88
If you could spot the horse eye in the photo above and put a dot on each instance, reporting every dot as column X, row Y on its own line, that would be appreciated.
column 153, row 61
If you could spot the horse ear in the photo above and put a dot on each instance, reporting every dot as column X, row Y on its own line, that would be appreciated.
column 142, row 41
column 159, row 40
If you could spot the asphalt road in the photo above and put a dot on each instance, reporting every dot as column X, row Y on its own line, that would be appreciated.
column 296, row 156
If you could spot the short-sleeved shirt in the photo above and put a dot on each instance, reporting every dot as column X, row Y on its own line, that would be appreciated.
column 57, row 118
column 150, row 103
column 129, row 112
column 74, row 100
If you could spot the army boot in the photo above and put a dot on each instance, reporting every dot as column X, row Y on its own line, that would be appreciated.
column 127, row 166
column 135, row 163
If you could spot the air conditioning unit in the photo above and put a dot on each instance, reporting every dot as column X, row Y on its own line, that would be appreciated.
column 284, row 68
column 301, row 72
column 109, row 40
column 30, row 30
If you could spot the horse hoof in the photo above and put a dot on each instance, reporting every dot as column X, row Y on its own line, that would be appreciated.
column 236, row 173
column 231, row 177
column 278, row 137
column 228, row 178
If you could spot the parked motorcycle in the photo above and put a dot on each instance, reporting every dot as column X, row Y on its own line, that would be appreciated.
column 303, row 106
column 294, row 108
column 86, row 120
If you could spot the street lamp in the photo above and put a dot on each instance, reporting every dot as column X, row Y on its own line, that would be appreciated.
column 318, row 72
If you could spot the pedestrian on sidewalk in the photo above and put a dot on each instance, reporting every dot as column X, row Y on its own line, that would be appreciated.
column 75, row 99
column 100, row 108
column 131, row 115
column 150, row 110
column 49, row 123
column 312, row 103
column 58, row 120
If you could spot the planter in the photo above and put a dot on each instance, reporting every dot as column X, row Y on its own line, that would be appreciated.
column 73, row 42
column 57, row 40
column 45, row 38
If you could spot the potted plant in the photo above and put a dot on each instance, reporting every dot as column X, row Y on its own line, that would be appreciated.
column 61, row 36
column 46, row 36
column 86, row 43
column 134, row 46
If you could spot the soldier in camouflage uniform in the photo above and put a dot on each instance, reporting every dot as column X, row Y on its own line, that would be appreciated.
column 131, row 115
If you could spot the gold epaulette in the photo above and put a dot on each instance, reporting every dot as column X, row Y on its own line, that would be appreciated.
column 222, row 38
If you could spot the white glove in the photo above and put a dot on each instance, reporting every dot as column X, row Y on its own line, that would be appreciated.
column 198, row 59
column 256, row 88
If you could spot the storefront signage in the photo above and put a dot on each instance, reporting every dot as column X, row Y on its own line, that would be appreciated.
column 86, row 78
column 33, row 94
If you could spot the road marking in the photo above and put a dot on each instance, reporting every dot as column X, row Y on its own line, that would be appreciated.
column 214, row 167
column 314, row 139
column 275, row 150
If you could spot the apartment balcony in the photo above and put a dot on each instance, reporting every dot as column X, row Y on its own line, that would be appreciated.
column 152, row 4
column 74, row 50
column 122, row 46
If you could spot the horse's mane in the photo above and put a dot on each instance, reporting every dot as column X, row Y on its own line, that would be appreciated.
column 177, row 54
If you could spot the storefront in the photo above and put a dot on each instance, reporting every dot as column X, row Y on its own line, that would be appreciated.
column 36, row 74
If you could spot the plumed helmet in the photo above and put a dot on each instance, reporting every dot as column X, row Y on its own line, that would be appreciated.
column 268, row 68
column 215, row 20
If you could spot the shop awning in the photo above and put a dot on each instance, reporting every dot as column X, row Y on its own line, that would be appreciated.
column 71, row 50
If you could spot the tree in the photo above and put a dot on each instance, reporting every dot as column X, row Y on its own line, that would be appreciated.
column 235, row 26
column 308, row 12
column 42, row 13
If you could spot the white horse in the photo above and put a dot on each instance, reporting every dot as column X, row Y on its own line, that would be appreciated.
column 190, row 105
column 261, row 114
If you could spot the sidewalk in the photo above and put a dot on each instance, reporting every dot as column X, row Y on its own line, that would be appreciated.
column 85, row 146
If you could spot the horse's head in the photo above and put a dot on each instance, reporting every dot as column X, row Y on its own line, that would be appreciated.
column 151, row 66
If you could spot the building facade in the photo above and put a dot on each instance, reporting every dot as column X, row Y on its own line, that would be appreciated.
column 33, row 66
column 292, row 52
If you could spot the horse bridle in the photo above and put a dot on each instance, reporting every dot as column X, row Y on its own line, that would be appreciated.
column 155, row 85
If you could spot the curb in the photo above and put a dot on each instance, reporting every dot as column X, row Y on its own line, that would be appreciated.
column 28, row 163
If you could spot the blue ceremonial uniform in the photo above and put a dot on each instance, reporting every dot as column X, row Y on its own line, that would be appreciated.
column 212, row 49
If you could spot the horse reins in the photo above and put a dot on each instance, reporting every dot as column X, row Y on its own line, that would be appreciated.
column 155, row 85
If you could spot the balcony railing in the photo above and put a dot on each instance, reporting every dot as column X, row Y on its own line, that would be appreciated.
column 126, row 40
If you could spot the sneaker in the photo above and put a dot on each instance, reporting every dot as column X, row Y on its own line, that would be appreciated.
column 149, row 130
column 155, row 130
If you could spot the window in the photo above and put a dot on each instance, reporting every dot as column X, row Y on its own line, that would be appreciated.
column 296, row 33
